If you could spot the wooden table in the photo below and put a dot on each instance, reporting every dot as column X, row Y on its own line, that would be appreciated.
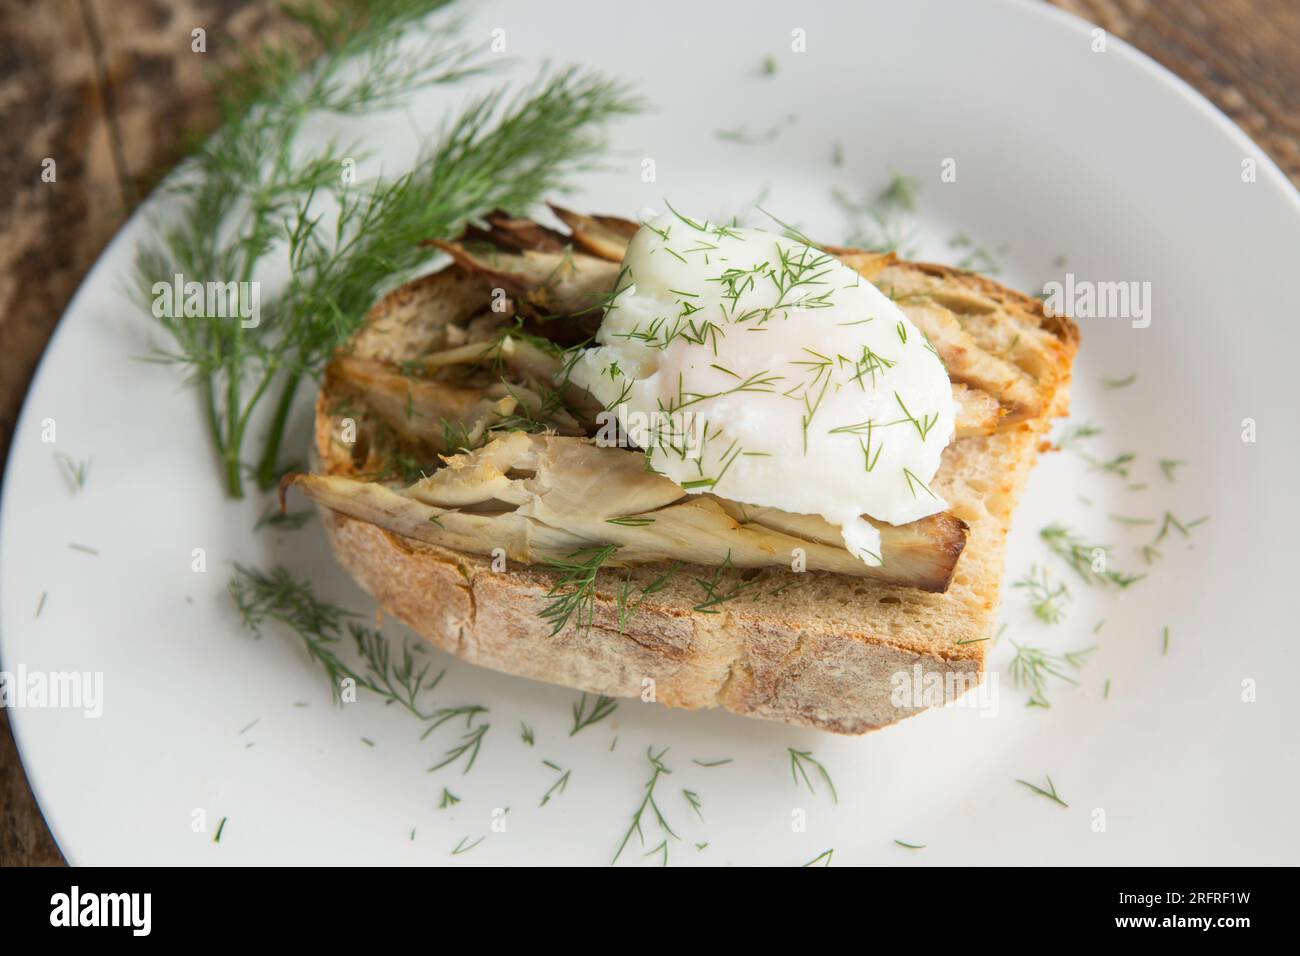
column 111, row 88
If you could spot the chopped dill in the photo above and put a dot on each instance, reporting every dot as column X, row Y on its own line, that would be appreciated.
column 800, row 760
column 273, row 517
column 470, row 743
column 1087, row 560
column 464, row 846
column 76, row 471
column 601, row 707
column 574, row 594
column 631, row 521
column 1168, row 466
column 693, row 799
column 402, row 680
column 560, row 784
column 658, row 770
column 1171, row 523
column 1046, row 598
column 1075, row 434
column 1119, row 465
column 1031, row 667
column 713, row 595
column 1050, row 792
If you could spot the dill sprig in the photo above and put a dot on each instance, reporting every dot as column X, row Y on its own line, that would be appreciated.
column 1119, row 465
column 629, row 599
column 1075, row 434
column 800, row 760
column 465, row 845
column 714, row 596
column 1032, row 666
column 273, row 517
column 693, row 799
column 560, row 784
column 470, row 743
column 881, row 223
column 574, row 594
column 1171, row 523
column 260, row 596
column 1083, row 557
column 1168, row 467
column 977, row 258
column 1050, row 791
column 251, row 191
column 76, row 471
column 658, row 770
column 403, row 679
column 1045, row 598
column 825, row 855
column 601, row 707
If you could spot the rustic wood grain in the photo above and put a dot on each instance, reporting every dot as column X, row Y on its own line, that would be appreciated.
column 1242, row 55
column 111, row 90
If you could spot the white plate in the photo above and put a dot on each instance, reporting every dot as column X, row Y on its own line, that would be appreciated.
column 1101, row 157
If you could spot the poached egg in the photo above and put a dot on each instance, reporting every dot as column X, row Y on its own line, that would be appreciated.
column 758, row 368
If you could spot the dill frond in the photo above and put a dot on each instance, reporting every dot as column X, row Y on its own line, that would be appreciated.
column 601, row 707
column 658, row 769
column 1087, row 560
column 1049, row 792
column 76, row 471
column 403, row 679
column 561, row 783
column 1032, row 666
column 1075, row 434
column 1045, row 598
column 574, row 594
column 249, row 193
column 714, row 597
column 800, row 760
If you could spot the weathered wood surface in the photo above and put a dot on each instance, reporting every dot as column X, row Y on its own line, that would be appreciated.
column 111, row 89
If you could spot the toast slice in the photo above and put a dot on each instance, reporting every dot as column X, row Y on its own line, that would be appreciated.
column 817, row 648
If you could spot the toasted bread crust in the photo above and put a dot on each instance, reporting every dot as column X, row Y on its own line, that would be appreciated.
column 814, row 649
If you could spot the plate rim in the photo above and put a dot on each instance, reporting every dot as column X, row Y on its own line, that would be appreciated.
column 1064, row 19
